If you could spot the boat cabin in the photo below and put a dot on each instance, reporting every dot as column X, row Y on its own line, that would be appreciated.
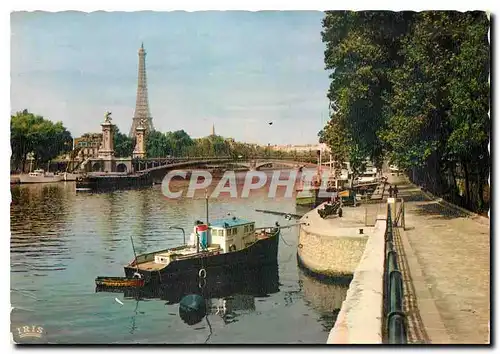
column 369, row 176
column 222, row 236
column 37, row 173
column 231, row 234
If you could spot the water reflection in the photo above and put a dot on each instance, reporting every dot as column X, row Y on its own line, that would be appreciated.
column 38, row 223
column 228, row 295
column 325, row 296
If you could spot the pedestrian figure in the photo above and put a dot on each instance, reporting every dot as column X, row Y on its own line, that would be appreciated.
column 334, row 198
column 396, row 191
column 390, row 191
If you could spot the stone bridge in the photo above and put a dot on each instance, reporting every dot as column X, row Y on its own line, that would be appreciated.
column 163, row 167
column 127, row 164
column 159, row 167
column 256, row 165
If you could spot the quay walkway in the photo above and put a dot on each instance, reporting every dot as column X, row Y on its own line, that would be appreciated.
column 443, row 253
column 445, row 261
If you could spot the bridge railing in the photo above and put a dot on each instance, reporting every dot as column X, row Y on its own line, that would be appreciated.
column 394, row 316
column 215, row 158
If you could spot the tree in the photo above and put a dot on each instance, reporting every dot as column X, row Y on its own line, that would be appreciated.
column 178, row 140
column 469, row 101
column 33, row 133
column 124, row 146
column 361, row 47
column 157, row 145
column 413, row 87
column 438, row 117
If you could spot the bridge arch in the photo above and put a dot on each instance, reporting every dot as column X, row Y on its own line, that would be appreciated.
column 96, row 166
column 121, row 167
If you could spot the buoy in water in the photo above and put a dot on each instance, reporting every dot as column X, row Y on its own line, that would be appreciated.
column 192, row 309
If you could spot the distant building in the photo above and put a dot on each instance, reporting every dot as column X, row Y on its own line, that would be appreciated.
column 88, row 145
column 213, row 130
column 142, row 112
column 300, row 148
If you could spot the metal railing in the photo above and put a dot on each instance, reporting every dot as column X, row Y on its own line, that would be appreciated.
column 400, row 215
column 394, row 316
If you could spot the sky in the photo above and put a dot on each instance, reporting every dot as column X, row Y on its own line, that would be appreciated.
column 238, row 70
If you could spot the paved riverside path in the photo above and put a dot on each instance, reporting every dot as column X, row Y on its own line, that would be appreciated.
column 445, row 260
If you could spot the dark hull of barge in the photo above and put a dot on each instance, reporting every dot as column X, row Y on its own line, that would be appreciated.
column 259, row 281
column 262, row 252
column 104, row 183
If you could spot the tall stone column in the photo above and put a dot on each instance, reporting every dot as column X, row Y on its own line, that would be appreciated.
column 140, row 144
column 106, row 151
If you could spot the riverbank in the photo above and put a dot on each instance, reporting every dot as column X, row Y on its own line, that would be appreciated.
column 333, row 246
column 483, row 219
column 446, row 269
column 15, row 179
column 444, row 257
column 351, row 245
column 360, row 320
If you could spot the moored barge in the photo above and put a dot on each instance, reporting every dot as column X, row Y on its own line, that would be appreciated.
column 259, row 281
column 113, row 181
column 214, row 248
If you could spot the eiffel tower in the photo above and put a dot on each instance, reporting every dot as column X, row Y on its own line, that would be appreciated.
column 141, row 104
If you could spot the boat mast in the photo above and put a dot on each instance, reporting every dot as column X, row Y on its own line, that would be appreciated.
column 135, row 254
column 206, row 204
column 320, row 177
column 319, row 162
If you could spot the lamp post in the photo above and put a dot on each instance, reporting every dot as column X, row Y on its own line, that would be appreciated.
column 30, row 157
column 183, row 232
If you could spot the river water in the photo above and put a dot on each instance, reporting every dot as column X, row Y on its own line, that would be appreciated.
column 62, row 240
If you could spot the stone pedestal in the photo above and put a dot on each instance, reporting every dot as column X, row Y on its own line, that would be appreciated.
column 140, row 148
column 107, row 148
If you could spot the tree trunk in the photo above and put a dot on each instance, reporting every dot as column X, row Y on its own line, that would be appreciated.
column 23, row 163
column 454, row 189
column 467, row 190
column 481, row 182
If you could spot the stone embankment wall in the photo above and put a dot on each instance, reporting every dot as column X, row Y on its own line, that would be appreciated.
column 333, row 246
column 361, row 316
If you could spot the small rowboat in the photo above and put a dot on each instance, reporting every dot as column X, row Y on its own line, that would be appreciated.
column 119, row 282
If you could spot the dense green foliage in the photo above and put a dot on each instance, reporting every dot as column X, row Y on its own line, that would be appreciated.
column 47, row 141
column 30, row 133
column 123, row 145
column 413, row 88
column 179, row 143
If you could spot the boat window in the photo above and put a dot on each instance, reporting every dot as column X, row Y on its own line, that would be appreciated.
column 246, row 228
column 235, row 231
column 251, row 227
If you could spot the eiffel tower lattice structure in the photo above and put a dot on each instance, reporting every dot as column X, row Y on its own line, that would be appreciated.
column 142, row 112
